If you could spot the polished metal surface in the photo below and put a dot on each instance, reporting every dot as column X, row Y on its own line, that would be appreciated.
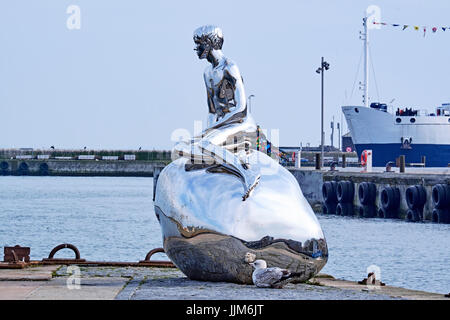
column 221, row 199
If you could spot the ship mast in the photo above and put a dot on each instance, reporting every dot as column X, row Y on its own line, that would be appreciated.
column 365, row 85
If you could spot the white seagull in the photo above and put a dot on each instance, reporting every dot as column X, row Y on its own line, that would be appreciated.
column 273, row 277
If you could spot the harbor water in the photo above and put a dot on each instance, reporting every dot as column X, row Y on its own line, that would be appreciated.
column 112, row 219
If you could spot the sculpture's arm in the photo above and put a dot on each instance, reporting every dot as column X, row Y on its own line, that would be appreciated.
column 211, row 109
column 239, row 92
column 232, row 71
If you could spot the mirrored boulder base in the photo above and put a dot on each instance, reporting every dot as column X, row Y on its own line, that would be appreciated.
column 209, row 256
column 207, row 229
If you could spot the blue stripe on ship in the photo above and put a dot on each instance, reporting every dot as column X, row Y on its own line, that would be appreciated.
column 437, row 155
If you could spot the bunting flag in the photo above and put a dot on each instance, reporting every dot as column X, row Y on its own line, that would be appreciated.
column 416, row 28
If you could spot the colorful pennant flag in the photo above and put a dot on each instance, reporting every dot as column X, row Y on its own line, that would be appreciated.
column 416, row 28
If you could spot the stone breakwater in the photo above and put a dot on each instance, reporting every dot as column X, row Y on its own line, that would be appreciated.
column 116, row 168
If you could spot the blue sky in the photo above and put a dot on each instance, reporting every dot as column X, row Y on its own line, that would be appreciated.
column 129, row 76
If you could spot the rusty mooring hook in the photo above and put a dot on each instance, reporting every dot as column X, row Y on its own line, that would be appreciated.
column 63, row 246
column 147, row 262
column 152, row 252
column 51, row 260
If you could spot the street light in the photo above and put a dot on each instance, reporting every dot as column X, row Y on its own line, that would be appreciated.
column 323, row 66
column 250, row 102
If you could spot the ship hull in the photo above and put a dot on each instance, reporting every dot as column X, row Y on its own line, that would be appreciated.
column 385, row 133
column 436, row 155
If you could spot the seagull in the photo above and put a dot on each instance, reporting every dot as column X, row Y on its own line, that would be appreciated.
column 273, row 277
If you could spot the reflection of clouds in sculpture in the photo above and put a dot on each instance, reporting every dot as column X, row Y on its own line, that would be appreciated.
column 213, row 201
column 267, row 165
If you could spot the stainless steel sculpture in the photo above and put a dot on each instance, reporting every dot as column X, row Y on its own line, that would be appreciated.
column 221, row 199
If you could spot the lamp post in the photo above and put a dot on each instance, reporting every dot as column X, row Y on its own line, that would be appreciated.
column 323, row 66
column 250, row 102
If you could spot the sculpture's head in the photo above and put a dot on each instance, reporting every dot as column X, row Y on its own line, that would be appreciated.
column 207, row 38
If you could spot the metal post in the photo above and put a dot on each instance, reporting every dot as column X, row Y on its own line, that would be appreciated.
column 339, row 136
column 332, row 133
column 323, row 66
column 317, row 161
column 321, row 132
column 366, row 64
column 402, row 163
column 250, row 102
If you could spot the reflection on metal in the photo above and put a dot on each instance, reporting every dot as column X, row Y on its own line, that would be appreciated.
column 208, row 230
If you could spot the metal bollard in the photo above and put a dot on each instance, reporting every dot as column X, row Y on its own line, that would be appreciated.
column 402, row 163
column 16, row 254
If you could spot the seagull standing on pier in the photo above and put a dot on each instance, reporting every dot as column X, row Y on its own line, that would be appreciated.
column 273, row 277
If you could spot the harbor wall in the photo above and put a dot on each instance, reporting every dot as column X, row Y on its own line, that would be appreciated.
column 80, row 167
column 144, row 155
column 311, row 182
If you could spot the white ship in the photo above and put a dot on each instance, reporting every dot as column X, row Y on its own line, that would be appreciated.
column 412, row 133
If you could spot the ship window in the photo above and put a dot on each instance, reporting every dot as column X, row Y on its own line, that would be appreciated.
column 412, row 120
column 398, row 120
column 356, row 110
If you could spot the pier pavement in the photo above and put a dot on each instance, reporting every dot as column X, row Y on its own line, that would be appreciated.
column 148, row 283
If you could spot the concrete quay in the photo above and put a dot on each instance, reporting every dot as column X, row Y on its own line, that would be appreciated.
column 148, row 283
column 311, row 182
